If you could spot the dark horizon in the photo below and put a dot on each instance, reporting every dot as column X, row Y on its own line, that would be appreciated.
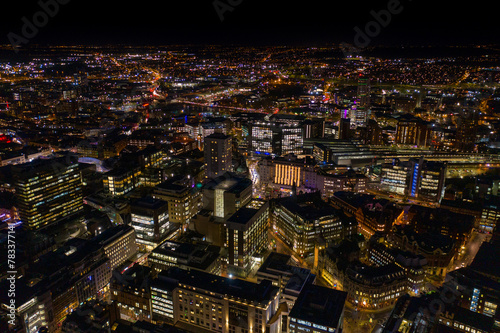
column 252, row 23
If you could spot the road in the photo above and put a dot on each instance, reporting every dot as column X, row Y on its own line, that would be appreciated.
column 281, row 247
column 399, row 198
column 470, row 250
column 364, row 321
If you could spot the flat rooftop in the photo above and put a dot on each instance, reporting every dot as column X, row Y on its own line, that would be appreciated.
column 319, row 305
column 148, row 203
column 229, row 182
column 199, row 256
column 253, row 292
column 245, row 214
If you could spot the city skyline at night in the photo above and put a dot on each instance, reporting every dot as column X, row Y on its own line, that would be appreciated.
column 249, row 167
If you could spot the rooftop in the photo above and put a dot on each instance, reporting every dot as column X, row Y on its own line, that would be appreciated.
column 260, row 293
column 199, row 256
column 308, row 206
column 473, row 319
column 320, row 306
column 148, row 203
column 486, row 260
column 229, row 182
column 245, row 214
column 216, row 135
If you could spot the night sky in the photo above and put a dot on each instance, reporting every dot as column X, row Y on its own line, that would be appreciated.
column 253, row 22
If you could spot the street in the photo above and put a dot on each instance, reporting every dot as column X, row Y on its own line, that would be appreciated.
column 470, row 251
column 356, row 321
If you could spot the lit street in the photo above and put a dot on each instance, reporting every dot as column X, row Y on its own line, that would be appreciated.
column 470, row 250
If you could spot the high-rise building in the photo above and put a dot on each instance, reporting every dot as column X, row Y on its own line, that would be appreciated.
column 412, row 131
column 431, row 180
column 275, row 138
column 344, row 131
column 48, row 191
column 150, row 221
column 313, row 128
column 226, row 194
column 373, row 133
column 321, row 153
column 246, row 236
column 395, row 176
column 363, row 101
column 466, row 131
column 218, row 154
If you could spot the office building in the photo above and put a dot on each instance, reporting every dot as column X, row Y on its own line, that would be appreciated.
column 184, row 199
column 122, row 180
column 329, row 183
column 318, row 309
column 218, row 304
column 246, row 236
column 54, row 285
column 118, row 244
column 275, row 138
column 479, row 293
column 32, row 307
column 91, row 317
column 188, row 256
column 362, row 110
column 47, row 191
column 463, row 320
column 372, row 287
column 412, row 131
column 490, row 214
column 442, row 221
column 439, row 250
column 380, row 254
column 131, row 293
column 344, row 131
column 304, row 221
column 218, row 154
column 415, row 178
column 287, row 171
column 279, row 269
column 431, row 180
column 226, row 194
column 314, row 128
column 373, row 134
column 395, row 176
column 321, row 153
column 162, row 299
column 467, row 129
column 150, row 221
column 372, row 215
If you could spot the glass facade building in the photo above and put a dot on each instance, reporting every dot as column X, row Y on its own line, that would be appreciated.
column 48, row 191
